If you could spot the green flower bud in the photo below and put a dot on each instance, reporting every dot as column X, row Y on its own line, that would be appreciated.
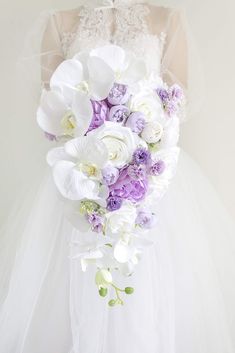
column 112, row 302
column 103, row 292
column 129, row 290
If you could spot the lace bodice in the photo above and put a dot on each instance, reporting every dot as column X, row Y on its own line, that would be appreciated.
column 121, row 22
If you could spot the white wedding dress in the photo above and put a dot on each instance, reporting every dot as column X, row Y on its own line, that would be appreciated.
column 184, row 284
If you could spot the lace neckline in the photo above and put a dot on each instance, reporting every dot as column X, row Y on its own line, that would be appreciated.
column 110, row 3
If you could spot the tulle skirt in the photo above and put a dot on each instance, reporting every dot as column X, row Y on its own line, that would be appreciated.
column 184, row 285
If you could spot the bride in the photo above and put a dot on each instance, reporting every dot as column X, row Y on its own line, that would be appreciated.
column 184, row 284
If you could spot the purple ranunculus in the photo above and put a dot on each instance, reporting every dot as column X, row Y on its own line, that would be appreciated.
column 137, row 172
column 119, row 94
column 110, row 174
column 50, row 137
column 128, row 188
column 136, row 122
column 145, row 219
column 100, row 114
column 96, row 222
column 141, row 156
column 114, row 203
column 157, row 168
column 118, row 114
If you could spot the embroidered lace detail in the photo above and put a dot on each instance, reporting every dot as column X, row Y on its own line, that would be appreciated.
column 130, row 23
column 124, row 25
column 67, row 39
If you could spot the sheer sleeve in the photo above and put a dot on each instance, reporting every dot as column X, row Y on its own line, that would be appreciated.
column 51, row 49
column 175, row 54
column 181, row 61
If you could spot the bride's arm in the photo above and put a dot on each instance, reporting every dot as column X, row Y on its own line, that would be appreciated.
column 51, row 50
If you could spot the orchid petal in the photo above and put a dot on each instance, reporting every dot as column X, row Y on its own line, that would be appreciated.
column 101, row 78
column 112, row 55
column 72, row 183
column 69, row 73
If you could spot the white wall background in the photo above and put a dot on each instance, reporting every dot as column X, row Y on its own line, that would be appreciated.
column 209, row 138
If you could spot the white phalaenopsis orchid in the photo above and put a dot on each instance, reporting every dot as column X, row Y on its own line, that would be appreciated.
column 127, row 68
column 88, row 75
column 77, row 168
column 56, row 117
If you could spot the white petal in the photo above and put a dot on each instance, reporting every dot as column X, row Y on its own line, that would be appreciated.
column 73, row 184
column 49, row 114
column 113, row 55
column 101, row 78
column 135, row 72
column 82, row 108
column 56, row 155
column 77, row 219
column 68, row 73
column 122, row 252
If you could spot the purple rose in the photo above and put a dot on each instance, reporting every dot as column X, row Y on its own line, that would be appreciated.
column 96, row 222
column 100, row 114
column 119, row 94
column 157, row 168
column 110, row 174
column 114, row 203
column 141, row 156
column 136, row 122
column 137, row 172
column 128, row 188
column 118, row 114
column 145, row 219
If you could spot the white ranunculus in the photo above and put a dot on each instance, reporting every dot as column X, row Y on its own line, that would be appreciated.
column 146, row 101
column 119, row 141
column 56, row 117
column 122, row 220
column 153, row 132
column 127, row 68
column 77, row 168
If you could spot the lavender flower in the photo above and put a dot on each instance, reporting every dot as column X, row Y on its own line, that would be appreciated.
column 119, row 94
column 96, row 222
column 128, row 188
column 110, row 174
column 100, row 114
column 118, row 113
column 136, row 122
column 157, row 168
column 163, row 94
column 141, row 156
column 137, row 172
column 176, row 92
column 171, row 98
column 50, row 137
column 145, row 219
column 114, row 203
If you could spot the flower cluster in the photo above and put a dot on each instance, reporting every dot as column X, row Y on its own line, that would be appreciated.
column 119, row 128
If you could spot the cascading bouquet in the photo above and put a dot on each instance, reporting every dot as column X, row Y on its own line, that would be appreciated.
column 117, row 127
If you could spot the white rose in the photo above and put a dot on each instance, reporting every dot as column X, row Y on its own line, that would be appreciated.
column 152, row 132
column 122, row 220
column 147, row 102
column 119, row 141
